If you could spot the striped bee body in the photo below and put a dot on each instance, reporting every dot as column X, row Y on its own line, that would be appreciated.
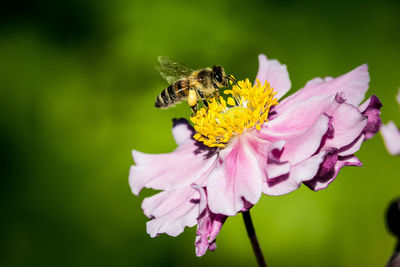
column 173, row 94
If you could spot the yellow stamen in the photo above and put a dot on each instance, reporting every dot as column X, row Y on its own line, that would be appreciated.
column 249, row 108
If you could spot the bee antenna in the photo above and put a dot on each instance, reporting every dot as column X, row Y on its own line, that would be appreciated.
column 233, row 80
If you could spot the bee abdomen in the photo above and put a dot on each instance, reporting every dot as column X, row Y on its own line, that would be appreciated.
column 167, row 97
column 173, row 94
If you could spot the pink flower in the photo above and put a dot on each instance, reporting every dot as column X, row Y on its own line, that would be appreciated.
column 251, row 145
column 391, row 135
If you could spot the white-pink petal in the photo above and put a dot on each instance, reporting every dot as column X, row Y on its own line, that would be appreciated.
column 275, row 73
column 302, row 147
column 303, row 171
column 169, row 171
column 238, row 177
column 353, row 147
column 353, row 85
column 171, row 211
column 348, row 123
column 391, row 137
column 181, row 131
column 295, row 120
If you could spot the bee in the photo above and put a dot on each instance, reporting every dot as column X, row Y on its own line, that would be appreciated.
column 188, row 84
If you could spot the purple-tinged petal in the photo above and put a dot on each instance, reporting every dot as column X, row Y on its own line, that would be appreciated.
column 237, row 178
column 353, row 84
column 372, row 108
column 275, row 151
column 275, row 167
column 208, row 225
column 303, row 171
column 330, row 168
column 171, row 211
column 353, row 147
column 391, row 137
column 169, row 171
column 347, row 121
column 182, row 131
column 275, row 73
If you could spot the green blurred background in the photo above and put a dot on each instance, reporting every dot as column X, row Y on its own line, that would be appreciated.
column 77, row 91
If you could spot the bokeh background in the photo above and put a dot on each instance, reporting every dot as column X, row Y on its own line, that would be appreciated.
column 77, row 90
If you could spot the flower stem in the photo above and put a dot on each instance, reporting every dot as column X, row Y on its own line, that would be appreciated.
column 253, row 238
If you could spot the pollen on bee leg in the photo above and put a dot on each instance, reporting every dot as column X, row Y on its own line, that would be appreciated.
column 192, row 98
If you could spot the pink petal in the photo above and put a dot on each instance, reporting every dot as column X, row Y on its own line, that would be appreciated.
column 303, row 171
column 353, row 84
column 275, row 73
column 347, row 122
column 330, row 169
column 353, row 147
column 171, row 211
column 391, row 137
column 275, row 167
column 236, row 179
column 296, row 119
column 208, row 225
column 171, row 170
column 302, row 147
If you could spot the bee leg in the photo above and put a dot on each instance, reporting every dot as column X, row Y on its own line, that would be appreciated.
column 205, row 103
column 194, row 109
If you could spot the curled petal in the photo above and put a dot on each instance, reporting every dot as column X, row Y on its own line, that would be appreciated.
column 353, row 147
column 302, row 171
column 330, row 169
column 171, row 211
column 372, row 108
column 302, row 147
column 275, row 73
column 275, row 167
column 391, row 137
column 237, row 178
column 347, row 122
column 208, row 225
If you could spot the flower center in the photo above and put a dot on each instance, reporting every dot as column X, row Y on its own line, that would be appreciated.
column 246, row 108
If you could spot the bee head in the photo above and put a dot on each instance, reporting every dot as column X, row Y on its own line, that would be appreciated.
column 219, row 77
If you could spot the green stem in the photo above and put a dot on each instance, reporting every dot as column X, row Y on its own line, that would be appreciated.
column 253, row 239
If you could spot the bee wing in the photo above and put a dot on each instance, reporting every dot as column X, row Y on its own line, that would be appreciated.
column 172, row 70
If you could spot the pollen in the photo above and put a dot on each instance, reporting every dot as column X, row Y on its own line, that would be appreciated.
column 246, row 109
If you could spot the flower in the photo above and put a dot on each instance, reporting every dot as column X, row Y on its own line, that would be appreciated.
column 251, row 144
column 391, row 135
